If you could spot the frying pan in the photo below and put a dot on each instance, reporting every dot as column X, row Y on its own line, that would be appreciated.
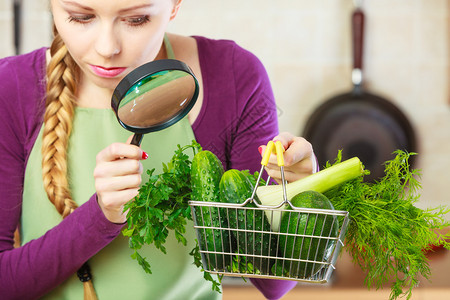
column 358, row 122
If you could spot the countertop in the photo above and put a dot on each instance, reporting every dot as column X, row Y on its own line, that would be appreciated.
column 347, row 282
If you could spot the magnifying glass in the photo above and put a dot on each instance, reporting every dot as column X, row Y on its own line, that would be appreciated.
column 154, row 96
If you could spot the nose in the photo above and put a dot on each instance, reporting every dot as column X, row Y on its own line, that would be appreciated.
column 108, row 42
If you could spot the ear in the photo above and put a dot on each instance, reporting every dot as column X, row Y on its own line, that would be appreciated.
column 175, row 9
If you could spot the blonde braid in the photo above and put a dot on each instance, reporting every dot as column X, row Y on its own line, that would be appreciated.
column 57, row 127
column 62, row 73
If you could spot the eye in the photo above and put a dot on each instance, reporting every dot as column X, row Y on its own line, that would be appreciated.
column 82, row 19
column 137, row 21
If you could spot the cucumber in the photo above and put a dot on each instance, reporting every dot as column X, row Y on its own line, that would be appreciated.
column 306, row 248
column 235, row 187
column 206, row 172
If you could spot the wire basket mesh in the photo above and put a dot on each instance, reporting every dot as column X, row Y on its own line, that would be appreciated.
column 250, row 239
column 247, row 240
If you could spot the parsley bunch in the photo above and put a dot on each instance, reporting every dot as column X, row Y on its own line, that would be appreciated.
column 162, row 206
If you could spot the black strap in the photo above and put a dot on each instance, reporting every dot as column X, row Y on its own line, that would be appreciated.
column 84, row 273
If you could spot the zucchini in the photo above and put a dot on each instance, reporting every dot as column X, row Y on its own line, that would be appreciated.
column 235, row 187
column 206, row 171
column 309, row 246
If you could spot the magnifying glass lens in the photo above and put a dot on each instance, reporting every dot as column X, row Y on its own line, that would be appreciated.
column 157, row 99
column 155, row 96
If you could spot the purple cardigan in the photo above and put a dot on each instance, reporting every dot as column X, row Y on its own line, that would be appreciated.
column 238, row 115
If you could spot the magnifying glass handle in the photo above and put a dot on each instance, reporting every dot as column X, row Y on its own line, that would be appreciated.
column 137, row 139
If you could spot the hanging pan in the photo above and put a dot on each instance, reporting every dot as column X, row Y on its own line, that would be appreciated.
column 359, row 123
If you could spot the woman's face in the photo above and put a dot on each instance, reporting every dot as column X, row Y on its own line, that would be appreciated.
column 108, row 39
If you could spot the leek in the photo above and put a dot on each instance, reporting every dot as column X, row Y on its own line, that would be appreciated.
column 322, row 181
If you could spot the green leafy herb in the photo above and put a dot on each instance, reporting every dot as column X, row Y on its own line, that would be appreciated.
column 387, row 233
column 195, row 253
column 162, row 206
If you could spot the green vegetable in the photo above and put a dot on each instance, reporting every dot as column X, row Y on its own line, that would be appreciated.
column 304, row 246
column 322, row 181
column 236, row 187
column 162, row 206
column 387, row 233
column 206, row 172
column 319, row 182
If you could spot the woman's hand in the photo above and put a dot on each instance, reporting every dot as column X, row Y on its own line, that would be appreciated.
column 117, row 178
column 299, row 159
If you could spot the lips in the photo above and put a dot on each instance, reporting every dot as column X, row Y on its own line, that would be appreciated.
column 106, row 72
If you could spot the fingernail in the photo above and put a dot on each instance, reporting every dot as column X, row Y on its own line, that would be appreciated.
column 260, row 150
column 144, row 155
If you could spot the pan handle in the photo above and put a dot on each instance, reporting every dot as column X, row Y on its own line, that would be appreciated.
column 357, row 39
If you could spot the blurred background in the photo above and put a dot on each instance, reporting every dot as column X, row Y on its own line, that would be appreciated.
column 306, row 48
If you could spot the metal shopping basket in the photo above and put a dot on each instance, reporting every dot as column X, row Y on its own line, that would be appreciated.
column 261, row 241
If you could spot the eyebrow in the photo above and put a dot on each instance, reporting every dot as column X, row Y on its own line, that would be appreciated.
column 135, row 7
column 76, row 4
column 67, row 2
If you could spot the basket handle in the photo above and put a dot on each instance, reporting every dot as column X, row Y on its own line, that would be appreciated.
column 267, row 152
column 278, row 149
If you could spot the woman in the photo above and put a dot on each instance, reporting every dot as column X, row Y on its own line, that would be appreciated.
column 67, row 171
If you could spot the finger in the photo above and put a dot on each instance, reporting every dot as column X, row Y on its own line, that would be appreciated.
column 298, row 150
column 285, row 138
column 118, row 183
column 289, row 175
column 114, row 201
column 303, row 168
column 272, row 157
column 130, row 138
column 120, row 150
column 294, row 176
column 118, row 167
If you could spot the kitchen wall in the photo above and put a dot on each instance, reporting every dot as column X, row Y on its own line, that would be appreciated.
column 35, row 25
column 306, row 48
column 6, row 28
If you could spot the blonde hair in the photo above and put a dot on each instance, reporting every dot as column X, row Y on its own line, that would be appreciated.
column 59, row 111
column 62, row 74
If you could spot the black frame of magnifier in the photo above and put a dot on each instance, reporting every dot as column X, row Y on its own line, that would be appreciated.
column 143, row 72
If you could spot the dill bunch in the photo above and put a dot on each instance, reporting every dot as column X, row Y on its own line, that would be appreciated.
column 387, row 234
